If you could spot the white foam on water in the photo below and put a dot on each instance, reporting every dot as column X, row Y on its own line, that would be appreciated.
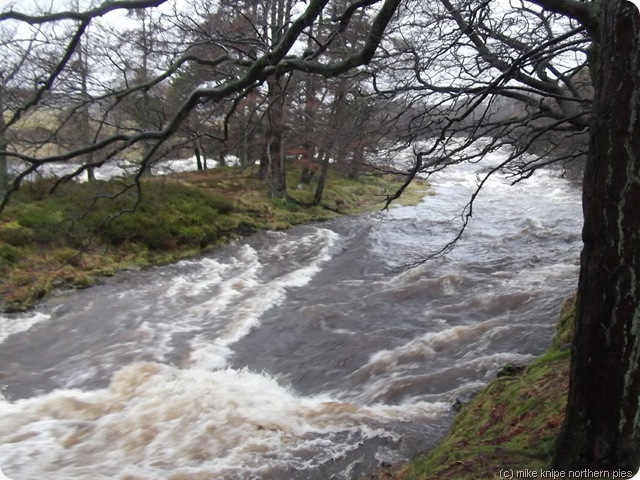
column 202, row 296
column 426, row 367
column 432, row 383
column 19, row 324
column 157, row 421
column 428, row 345
column 213, row 302
column 114, row 169
column 212, row 273
column 247, row 310
column 3, row 476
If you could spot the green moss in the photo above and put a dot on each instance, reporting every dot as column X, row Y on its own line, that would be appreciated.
column 564, row 330
column 9, row 253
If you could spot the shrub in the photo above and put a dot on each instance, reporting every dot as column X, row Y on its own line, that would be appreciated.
column 34, row 216
column 138, row 227
column 13, row 234
column 9, row 253
column 170, row 215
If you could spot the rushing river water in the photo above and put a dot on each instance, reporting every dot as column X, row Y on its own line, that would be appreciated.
column 305, row 354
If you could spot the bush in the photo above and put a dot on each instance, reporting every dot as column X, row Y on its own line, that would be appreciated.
column 35, row 216
column 9, row 253
column 170, row 215
column 40, row 223
column 15, row 235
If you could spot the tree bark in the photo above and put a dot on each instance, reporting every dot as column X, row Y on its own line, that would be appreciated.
column 144, row 110
column 309, row 169
column 272, row 166
column 196, row 151
column 85, row 119
column 317, row 197
column 602, row 426
column 4, row 168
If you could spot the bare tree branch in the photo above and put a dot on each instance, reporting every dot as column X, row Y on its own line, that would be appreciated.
column 103, row 9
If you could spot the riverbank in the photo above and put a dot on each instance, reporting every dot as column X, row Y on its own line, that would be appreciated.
column 510, row 426
column 87, row 231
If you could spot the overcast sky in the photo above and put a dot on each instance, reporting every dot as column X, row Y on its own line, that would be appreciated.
column 26, row 5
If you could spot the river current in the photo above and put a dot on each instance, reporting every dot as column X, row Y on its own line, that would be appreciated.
column 304, row 354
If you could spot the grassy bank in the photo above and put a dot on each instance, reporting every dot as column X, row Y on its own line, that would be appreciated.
column 86, row 231
column 511, row 425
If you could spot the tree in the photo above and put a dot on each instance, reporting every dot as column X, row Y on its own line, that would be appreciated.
column 602, row 426
column 252, row 67
column 475, row 59
column 78, row 131
column 146, row 106
column 4, row 170
column 522, row 62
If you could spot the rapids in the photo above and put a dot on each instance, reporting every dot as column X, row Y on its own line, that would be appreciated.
column 305, row 354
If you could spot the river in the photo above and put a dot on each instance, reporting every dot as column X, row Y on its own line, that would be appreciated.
column 305, row 354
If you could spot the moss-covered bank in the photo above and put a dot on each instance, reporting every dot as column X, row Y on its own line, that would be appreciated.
column 85, row 231
column 510, row 426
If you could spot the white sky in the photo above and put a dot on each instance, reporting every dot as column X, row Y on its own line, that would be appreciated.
column 26, row 5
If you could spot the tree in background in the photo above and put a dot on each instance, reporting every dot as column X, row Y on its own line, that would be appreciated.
column 512, row 76
column 134, row 119
column 143, row 50
column 76, row 132
column 4, row 168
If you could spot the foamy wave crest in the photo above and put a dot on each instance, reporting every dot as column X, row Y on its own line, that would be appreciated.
column 429, row 345
column 157, row 421
column 11, row 326
column 426, row 368
column 434, row 385
column 255, row 295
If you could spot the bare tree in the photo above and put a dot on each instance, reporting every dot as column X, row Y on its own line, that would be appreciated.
column 254, row 66
column 488, row 76
column 4, row 170
column 521, row 77
column 469, row 73
column 76, row 81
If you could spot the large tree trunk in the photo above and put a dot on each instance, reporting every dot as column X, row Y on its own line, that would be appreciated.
column 4, row 167
column 272, row 166
column 85, row 126
column 602, row 426
column 4, row 170
column 196, row 150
